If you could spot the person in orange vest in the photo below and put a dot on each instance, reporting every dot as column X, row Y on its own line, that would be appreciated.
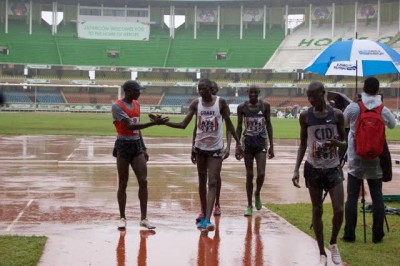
column 130, row 149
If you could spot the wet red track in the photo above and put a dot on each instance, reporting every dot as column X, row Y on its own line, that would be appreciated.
column 65, row 188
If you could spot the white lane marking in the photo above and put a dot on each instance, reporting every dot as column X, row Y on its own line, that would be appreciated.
column 72, row 153
column 19, row 216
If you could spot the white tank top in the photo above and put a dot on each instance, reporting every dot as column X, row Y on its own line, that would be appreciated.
column 209, row 127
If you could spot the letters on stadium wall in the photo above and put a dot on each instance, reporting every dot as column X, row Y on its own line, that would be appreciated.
column 103, row 30
column 253, row 14
column 138, row 69
column 322, row 42
column 187, row 70
column 145, row 109
column 238, row 70
column 38, row 81
column 186, row 84
column 39, row 66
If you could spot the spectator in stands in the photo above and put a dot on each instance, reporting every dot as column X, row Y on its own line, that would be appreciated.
column 255, row 115
column 217, row 208
column 322, row 131
column 209, row 110
column 130, row 149
column 358, row 169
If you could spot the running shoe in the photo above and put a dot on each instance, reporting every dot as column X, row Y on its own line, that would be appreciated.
column 323, row 261
column 208, row 226
column 335, row 254
column 217, row 210
column 249, row 211
column 201, row 223
column 258, row 202
column 198, row 219
column 147, row 224
column 122, row 224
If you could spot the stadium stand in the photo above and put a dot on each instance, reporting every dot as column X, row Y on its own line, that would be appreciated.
column 299, row 48
column 170, row 66
column 49, row 96
column 16, row 96
column 176, row 100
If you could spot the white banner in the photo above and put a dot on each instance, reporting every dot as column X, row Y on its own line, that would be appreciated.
column 102, row 30
column 253, row 14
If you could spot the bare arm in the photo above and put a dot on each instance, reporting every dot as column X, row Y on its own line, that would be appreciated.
column 137, row 126
column 267, row 116
column 239, row 126
column 185, row 122
column 302, row 148
column 228, row 144
column 193, row 154
column 224, row 109
column 340, row 140
column 239, row 152
column 146, row 155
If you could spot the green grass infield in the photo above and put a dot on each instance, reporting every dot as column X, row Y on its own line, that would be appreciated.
column 101, row 125
column 357, row 253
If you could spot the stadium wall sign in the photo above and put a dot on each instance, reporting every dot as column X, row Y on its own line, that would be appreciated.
column 39, row 66
column 38, row 81
column 188, row 70
column 186, row 84
column 328, row 41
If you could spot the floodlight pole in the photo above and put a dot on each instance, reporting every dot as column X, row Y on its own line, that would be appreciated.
column 356, row 76
column 356, row 69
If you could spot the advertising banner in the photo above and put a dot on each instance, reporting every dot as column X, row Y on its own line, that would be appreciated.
column 18, row 9
column 321, row 13
column 253, row 14
column 367, row 11
column 207, row 15
column 103, row 30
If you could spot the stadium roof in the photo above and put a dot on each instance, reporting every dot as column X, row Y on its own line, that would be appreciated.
column 202, row 2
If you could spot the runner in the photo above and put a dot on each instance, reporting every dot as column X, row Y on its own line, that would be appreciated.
column 255, row 114
column 209, row 110
column 322, row 131
column 217, row 208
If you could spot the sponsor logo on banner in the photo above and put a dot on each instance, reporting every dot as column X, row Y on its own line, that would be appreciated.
column 207, row 15
column 321, row 13
column 344, row 66
column 370, row 52
column 367, row 11
column 253, row 14
column 18, row 8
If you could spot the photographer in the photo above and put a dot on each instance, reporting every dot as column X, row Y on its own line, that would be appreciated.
column 359, row 168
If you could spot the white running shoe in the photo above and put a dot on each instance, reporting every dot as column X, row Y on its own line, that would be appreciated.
column 146, row 223
column 122, row 223
column 323, row 260
column 335, row 254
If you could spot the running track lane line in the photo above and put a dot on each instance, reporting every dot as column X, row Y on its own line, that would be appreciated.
column 72, row 153
column 19, row 216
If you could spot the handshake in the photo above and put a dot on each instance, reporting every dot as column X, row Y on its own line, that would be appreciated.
column 158, row 119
